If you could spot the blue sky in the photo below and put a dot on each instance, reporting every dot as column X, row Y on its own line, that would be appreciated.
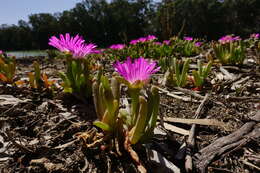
column 13, row 10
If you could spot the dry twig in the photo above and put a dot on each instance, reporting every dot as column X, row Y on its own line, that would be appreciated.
column 191, row 138
column 185, row 99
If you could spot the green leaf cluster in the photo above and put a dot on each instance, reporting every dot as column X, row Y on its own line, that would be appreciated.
column 177, row 73
column 202, row 73
column 77, row 78
column 230, row 53
column 184, row 48
column 106, row 99
column 7, row 69
column 145, row 116
column 37, row 79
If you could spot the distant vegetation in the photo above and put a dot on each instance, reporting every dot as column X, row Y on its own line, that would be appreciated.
column 120, row 21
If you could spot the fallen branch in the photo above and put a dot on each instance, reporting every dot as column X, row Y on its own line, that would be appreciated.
column 249, row 131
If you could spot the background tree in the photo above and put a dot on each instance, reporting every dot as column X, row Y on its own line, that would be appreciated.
column 119, row 21
column 43, row 26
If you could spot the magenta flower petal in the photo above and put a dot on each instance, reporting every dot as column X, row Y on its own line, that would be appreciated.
column 188, row 38
column 255, row 35
column 167, row 42
column 139, row 70
column 198, row 44
column 100, row 51
column 157, row 43
column 133, row 42
column 150, row 37
column 83, row 49
column 117, row 46
column 67, row 43
column 142, row 39
column 55, row 42
column 237, row 38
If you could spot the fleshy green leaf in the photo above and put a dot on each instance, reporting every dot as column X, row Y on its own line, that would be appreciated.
column 102, row 125
column 138, row 130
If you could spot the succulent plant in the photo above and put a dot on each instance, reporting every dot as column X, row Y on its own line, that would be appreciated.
column 7, row 69
column 177, row 73
column 202, row 73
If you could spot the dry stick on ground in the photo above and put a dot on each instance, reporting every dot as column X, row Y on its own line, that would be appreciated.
column 229, row 82
column 22, row 147
column 251, row 99
column 243, row 80
column 225, row 72
column 241, row 69
column 194, row 94
column 191, row 138
column 190, row 92
column 250, row 164
column 168, row 93
column 248, row 132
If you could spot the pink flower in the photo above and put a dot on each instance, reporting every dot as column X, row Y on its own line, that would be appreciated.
column 139, row 70
column 100, row 51
column 1, row 52
column 255, row 35
column 74, row 45
column 117, row 46
column 142, row 39
column 150, row 37
column 157, row 43
column 228, row 39
column 237, row 38
column 167, row 42
column 198, row 44
column 225, row 39
column 188, row 38
column 133, row 42
column 65, row 43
